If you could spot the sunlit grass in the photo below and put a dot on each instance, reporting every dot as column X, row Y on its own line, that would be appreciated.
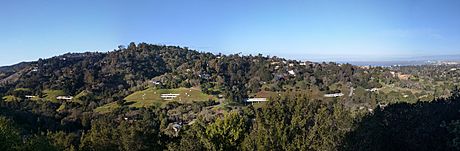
column 151, row 96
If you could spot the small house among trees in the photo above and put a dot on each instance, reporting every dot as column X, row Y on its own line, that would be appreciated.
column 64, row 97
column 334, row 95
column 252, row 100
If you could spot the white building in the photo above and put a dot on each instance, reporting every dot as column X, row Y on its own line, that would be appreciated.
column 30, row 96
column 382, row 105
column 333, row 95
column 252, row 100
column 64, row 97
column 176, row 127
column 273, row 63
column 393, row 73
column 35, row 69
column 169, row 96
column 373, row 89
column 156, row 82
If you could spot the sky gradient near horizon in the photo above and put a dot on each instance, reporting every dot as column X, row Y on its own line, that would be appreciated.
column 331, row 30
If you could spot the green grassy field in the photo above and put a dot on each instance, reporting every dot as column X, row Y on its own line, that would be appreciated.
column 389, row 88
column 62, row 107
column 107, row 108
column 77, row 98
column 151, row 97
column 22, row 89
column 51, row 95
column 264, row 94
column 10, row 98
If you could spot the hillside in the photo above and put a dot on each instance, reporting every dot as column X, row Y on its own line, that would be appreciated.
column 179, row 95
column 114, row 75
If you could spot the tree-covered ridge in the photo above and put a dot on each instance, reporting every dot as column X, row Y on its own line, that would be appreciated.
column 143, row 62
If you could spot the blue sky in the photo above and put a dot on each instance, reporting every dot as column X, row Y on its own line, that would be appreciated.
column 307, row 29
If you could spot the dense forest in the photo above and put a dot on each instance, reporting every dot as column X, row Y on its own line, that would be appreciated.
column 111, row 101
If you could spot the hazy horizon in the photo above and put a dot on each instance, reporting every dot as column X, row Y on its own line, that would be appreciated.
column 353, row 59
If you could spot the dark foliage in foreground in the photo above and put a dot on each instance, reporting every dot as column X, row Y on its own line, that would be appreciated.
column 420, row 126
column 285, row 124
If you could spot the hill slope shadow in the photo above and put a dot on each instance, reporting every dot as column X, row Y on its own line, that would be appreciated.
column 403, row 126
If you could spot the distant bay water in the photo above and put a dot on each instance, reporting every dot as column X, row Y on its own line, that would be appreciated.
column 397, row 61
column 386, row 63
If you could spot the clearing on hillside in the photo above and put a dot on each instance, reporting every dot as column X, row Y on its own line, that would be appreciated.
column 10, row 98
column 51, row 95
column 152, row 96
column 107, row 108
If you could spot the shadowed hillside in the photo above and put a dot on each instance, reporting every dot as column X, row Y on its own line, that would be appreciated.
column 403, row 126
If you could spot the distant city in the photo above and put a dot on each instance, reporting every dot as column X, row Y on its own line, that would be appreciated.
column 401, row 63
column 426, row 60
